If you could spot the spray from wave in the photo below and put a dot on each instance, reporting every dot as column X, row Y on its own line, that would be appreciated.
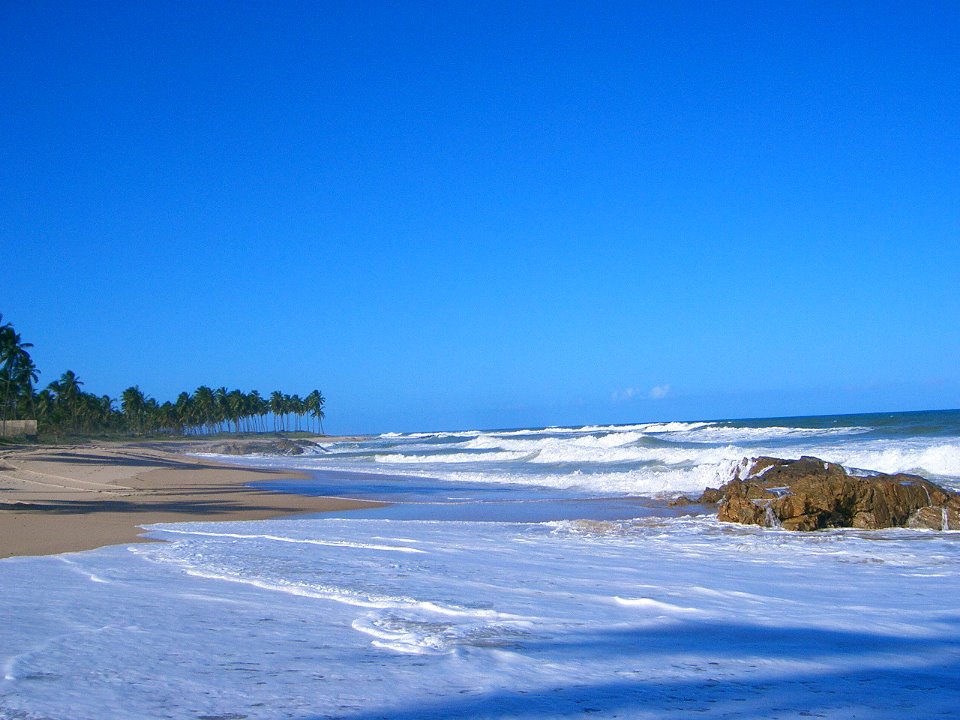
column 650, row 458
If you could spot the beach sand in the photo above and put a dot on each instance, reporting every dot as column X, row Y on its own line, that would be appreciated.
column 56, row 499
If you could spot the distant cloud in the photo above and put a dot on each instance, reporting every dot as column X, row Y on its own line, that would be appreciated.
column 659, row 392
column 625, row 394
column 655, row 393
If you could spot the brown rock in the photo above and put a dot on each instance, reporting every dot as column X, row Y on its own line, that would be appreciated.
column 810, row 494
column 278, row 446
column 711, row 496
column 934, row 518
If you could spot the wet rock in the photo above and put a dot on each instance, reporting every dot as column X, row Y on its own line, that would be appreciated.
column 934, row 518
column 710, row 496
column 279, row 446
column 811, row 494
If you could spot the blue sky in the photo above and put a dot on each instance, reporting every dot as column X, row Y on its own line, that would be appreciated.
column 491, row 215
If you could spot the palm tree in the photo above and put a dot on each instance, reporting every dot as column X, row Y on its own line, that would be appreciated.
column 46, row 407
column 25, row 374
column 63, row 403
column 221, row 410
column 106, row 411
column 205, row 401
column 184, row 407
column 254, row 408
column 7, row 343
column 31, row 375
column 287, row 408
column 151, row 415
column 263, row 411
column 276, row 406
column 68, row 393
column 168, row 418
column 88, row 411
column 134, row 405
column 235, row 405
column 295, row 407
column 315, row 401
column 7, row 334
column 17, row 371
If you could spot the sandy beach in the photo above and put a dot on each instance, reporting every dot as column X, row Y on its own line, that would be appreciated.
column 511, row 577
column 56, row 499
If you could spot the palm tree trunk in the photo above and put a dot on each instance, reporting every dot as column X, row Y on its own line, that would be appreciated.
column 6, row 395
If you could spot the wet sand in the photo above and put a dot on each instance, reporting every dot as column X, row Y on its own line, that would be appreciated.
column 56, row 499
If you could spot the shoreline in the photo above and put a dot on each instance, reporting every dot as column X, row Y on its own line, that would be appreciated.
column 69, row 498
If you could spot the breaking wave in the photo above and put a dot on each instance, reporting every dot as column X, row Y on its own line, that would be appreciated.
column 647, row 458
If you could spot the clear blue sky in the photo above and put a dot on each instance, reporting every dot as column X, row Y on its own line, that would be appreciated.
column 447, row 215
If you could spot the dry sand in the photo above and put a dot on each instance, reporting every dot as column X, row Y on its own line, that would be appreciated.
column 56, row 499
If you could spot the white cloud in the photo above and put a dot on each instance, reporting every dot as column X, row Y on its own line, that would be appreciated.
column 655, row 393
column 625, row 394
column 659, row 392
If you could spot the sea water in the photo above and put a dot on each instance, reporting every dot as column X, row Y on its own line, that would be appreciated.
column 429, row 610
column 652, row 461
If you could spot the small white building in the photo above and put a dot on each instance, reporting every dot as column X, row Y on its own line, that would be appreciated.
column 18, row 428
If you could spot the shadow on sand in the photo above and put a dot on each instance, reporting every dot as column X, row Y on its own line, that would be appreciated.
column 119, row 460
column 727, row 671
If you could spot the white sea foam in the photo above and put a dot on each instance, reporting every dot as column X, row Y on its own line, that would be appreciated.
column 297, row 541
column 658, row 606
column 453, row 458
column 664, row 427
column 671, row 427
column 536, row 444
column 424, row 633
column 940, row 459
column 431, row 435
column 605, row 449
column 731, row 434
column 594, row 465
column 633, row 618
column 646, row 458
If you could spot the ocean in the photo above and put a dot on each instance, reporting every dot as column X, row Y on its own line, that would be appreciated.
column 653, row 461
column 518, row 573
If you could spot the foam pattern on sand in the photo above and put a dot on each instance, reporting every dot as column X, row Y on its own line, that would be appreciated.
column 311, row 618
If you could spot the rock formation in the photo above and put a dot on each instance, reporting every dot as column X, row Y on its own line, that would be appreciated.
column 279, row 446
column 810, row 494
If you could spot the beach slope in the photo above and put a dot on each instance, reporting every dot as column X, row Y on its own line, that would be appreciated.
column 56, row 499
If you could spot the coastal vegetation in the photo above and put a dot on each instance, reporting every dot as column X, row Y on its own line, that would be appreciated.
column 64, row 408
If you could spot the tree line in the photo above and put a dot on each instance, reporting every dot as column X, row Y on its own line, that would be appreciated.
column 64, row 408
